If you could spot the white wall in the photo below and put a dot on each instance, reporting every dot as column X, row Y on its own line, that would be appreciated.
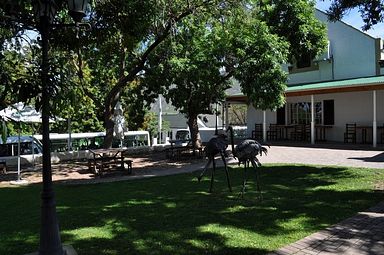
column 256, row 116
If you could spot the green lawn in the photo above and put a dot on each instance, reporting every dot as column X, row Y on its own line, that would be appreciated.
column 176, row 214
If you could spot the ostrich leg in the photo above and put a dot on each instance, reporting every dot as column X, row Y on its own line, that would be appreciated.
column 244, row 179
column 213, row 174
column 255, row 166
column 226, row 171
column 205, row 169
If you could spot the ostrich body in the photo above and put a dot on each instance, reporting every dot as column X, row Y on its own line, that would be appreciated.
column 246, row 152
column 216, row 145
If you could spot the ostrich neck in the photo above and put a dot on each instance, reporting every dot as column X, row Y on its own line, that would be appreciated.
column 232, row 141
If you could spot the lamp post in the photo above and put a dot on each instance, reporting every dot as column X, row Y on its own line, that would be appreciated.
column 216, row 116
column 50, row 243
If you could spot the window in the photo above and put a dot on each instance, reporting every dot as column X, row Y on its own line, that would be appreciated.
column 329, row 112
column 303, row 64
column 300, row 113
column 304, row 61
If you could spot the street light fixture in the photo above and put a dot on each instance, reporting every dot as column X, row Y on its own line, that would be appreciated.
column 50, row 243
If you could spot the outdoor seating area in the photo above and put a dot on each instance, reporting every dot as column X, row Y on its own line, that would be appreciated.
column 353, row 133
column 104, row 160
column 182, row 149
column 361, row 133
column 294, row 132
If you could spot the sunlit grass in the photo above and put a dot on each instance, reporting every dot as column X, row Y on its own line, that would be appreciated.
column 176, row 214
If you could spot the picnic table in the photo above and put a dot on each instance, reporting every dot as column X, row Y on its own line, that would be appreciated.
column 180, row 148
column 103, row 160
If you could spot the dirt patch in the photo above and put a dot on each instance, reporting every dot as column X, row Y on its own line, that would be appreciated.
column 78, row 172
column 379, row 186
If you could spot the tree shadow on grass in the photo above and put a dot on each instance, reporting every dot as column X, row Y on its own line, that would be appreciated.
column 176, row 215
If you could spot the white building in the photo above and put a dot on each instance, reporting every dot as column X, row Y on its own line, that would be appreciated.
column 342, row 86
column 176, row 121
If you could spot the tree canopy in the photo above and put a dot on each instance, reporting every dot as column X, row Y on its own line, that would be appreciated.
column 186, row 50
column 246, row 42
column 371, row 11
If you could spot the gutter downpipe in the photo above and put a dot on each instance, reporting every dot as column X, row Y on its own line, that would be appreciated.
column 374, row 124
column 264, row 125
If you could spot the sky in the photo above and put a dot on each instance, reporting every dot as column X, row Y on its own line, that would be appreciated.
column 353, row 18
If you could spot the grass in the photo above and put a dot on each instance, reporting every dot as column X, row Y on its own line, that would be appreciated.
column 176, row 214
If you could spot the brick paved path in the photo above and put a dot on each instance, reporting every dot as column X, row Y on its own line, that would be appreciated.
column 358, row 235
column 339, row 156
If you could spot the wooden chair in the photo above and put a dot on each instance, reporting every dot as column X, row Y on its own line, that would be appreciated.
column 257, row 133
column 298, row 134
column 350, row 133
column 272, row 133
column 307, row 132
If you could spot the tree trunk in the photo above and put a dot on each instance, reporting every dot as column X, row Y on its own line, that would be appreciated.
column 108, row 122
column 110, row 103
column 195, row 134
column 114, row 94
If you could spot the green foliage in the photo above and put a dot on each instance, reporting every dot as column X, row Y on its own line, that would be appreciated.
column 372, row 12
column 294, row 21
column 186, row 50
column 3, row 131
column 237, row 114
column 151, row 124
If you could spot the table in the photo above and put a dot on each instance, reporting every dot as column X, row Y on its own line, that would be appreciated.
column 364, row 132
column 108, row 159
column 284, row 131
column 320, row 132
column 179, row 148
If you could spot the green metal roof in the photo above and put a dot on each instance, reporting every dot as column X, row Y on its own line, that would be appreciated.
column 356, row 82
column 375, row 80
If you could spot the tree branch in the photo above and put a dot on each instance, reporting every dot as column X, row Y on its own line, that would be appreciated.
column 139, row 66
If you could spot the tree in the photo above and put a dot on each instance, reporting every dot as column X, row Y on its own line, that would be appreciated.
column 132, row 41
column 20, row 68
column 247, row 41
column 141, row 27
column 151, row 124
column 371, row 11
column 237, row 114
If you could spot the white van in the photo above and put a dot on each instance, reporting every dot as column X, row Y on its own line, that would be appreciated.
column 31, row 150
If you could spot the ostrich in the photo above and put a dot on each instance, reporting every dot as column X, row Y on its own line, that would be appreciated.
column 247, row 151
column 216, row 145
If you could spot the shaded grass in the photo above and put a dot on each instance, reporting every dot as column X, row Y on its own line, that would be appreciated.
column 176, row 214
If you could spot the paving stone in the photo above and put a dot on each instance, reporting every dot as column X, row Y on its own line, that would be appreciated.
column 362, row 234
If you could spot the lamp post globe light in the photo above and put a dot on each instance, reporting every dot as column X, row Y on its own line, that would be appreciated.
column 50, row 243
